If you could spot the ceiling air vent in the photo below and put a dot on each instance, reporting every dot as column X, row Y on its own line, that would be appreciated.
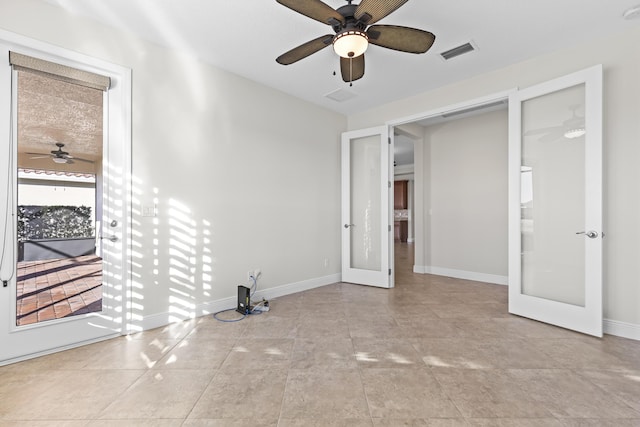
column 457, row 51
column 340, row 95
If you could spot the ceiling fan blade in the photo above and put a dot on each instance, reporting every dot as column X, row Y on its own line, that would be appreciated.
column 404, row 39
column 38, row 154
column 78, row 159
column 42, row 156
column 314, row 9
column 543, row 130
column 370, row 11
column 304, row 50
column 352, row 69
column 552, row 136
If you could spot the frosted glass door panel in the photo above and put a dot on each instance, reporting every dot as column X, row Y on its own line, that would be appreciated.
column 365, row 203
column 553, row 196
column 555, row 201
column 366, row 207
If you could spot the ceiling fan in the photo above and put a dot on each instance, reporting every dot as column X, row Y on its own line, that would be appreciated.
column 59, row 156
column 352, row 24
column 570, row 129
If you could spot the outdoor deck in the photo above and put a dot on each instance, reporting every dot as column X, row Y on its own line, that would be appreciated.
column 57, row 288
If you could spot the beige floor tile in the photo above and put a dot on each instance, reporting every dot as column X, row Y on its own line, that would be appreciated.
column 45, row 423
column 600, row 423
column 569, row 395
column 160, row 394
column 298, row 365
column 260, row 353
column 208, row 326
column 472, row 311
column 197, row 353
column 486, row 353
column 323, row 353
column 406, row 393
column 424, row 422
column 386, row 353
column 384, row 327
column 625, row 385
column 271, row 325
column 60, row 396
column 325, row 423
column 514, row 422
column 125, row 353
column 172, row 331
column 417, row 328
column 135, row 423
column 320, row 311
column 324, row 394
column 248, row 393
column 323, row 328
column 583, row 353
column 227, row 422
column 520, row 327
column 490, row 393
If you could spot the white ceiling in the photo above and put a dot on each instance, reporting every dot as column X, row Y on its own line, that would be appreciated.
column 245, row 37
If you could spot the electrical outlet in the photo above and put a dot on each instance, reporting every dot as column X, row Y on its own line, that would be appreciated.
column 326, row 262
column 249, row 274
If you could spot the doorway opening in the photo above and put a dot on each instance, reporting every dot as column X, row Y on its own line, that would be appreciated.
column 459, row 181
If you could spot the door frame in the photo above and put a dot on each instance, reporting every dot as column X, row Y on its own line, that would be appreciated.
column 117, row 109
column 418, row 170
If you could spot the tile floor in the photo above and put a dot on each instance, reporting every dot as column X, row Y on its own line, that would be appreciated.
column 57, row 288
column 433, row 351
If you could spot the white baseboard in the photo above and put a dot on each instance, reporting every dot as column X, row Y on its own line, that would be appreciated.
column 161, row 319
column 462, row 274
column 621, row 329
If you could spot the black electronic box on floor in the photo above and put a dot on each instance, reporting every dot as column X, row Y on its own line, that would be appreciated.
column 244, row 300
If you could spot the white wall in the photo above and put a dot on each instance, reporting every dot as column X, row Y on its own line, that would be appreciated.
column 467, row 191
column 243, row 176
column 618, row 54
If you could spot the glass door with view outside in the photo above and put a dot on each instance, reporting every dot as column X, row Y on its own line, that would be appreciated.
column 59, row 150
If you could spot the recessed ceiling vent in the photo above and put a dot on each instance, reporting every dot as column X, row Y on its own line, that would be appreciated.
column 457, row 51
column 340, row 95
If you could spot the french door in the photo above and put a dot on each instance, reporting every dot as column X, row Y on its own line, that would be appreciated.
column 105, row 318
column 555, row 202
column 367, row 194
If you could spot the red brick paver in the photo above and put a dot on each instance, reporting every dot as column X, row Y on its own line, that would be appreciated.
column 57, row 288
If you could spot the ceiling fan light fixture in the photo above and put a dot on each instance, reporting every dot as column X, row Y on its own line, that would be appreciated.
column 350, row 43
column 574, row 133
column 59, row 160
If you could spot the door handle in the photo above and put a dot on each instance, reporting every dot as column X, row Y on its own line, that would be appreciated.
column 348, row 225
column 112, row 238
column 590, row 234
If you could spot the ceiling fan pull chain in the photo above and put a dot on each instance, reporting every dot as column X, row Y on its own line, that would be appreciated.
column 351, row 72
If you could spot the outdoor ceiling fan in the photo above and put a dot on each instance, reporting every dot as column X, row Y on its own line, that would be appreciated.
column 354, row 31
column 59, row 156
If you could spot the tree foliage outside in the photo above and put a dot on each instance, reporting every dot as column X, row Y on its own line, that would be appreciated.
column 54, row 222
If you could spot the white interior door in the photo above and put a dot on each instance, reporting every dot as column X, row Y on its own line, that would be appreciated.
column 19, row 340
column 555, row 202
column 367, row 193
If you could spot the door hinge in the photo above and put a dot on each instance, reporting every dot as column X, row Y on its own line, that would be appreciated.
column 389, row 272
column 389, row 227
column 389, row 139
column 389, row 184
